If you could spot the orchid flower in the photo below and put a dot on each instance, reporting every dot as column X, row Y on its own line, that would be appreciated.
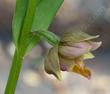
column 70, row 53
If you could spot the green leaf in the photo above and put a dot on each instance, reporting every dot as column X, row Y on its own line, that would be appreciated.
column 42, row 22
column 20, row 11
column 45, row 13
column 23, row 18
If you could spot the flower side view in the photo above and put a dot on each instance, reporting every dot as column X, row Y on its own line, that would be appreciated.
column 69, row 55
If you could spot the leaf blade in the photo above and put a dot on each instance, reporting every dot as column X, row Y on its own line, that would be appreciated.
column 44, row 14
column 20, row 11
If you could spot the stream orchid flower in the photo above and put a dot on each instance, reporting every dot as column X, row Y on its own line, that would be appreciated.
column 70, row 53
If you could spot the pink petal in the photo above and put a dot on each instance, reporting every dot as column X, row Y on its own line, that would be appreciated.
column 95, row 45
column 76, row 50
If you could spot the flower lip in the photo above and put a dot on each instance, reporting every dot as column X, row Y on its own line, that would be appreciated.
column 82, row 71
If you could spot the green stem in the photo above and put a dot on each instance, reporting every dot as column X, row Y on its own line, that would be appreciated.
column 14, row 74
column 21, row 49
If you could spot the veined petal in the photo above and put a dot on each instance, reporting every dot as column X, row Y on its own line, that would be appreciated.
column 51, row 63
column 75, row 50
column 75, row 37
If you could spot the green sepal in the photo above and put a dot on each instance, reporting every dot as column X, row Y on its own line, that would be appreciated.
column 72, row 37
column 88, row 55
column 51, row 63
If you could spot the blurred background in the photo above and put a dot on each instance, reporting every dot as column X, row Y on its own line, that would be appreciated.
column 92, row 16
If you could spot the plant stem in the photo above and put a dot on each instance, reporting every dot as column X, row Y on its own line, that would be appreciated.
column 14, row 73
column 21, row 49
